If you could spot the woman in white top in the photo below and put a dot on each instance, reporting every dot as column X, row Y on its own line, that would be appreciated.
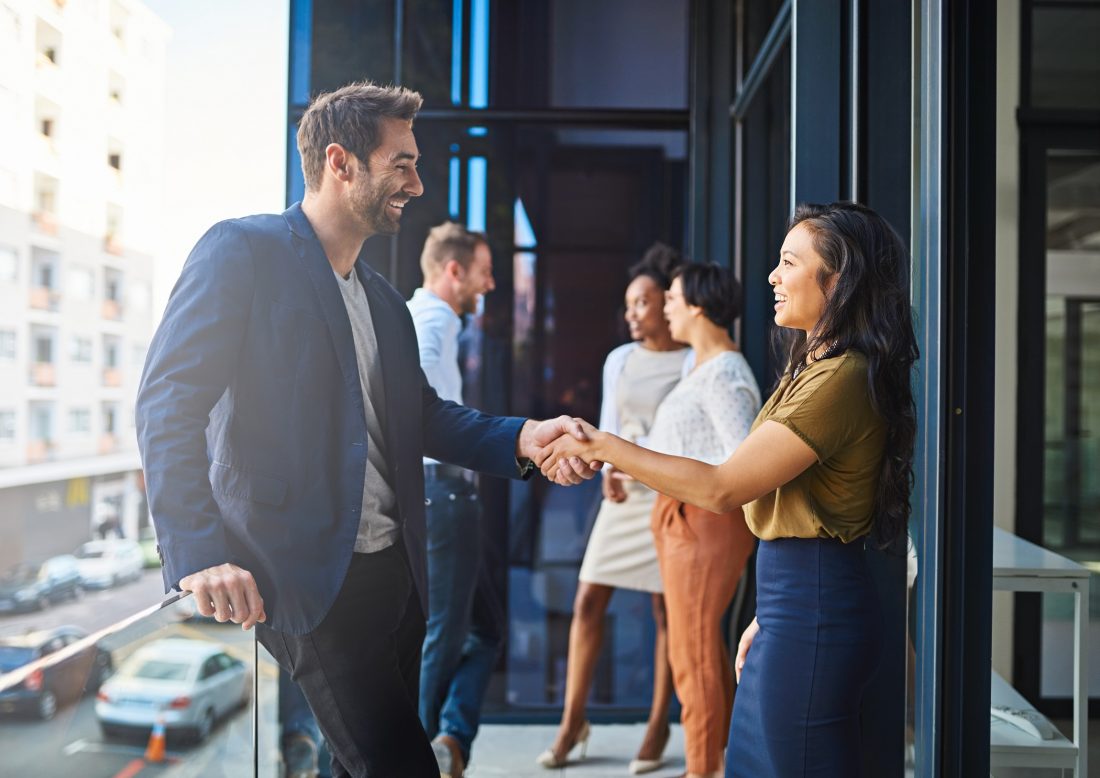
column 702, row 554
column 620, row 552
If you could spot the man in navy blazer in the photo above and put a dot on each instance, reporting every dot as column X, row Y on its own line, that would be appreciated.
column 282, row 420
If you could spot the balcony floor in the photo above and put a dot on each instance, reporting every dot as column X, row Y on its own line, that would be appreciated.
column 510, row 750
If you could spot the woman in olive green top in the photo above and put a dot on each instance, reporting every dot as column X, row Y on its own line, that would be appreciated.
column 828, row 463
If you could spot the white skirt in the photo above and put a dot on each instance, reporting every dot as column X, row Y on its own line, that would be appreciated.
column 620, row 550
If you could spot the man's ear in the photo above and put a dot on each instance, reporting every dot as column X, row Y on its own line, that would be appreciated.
column 339, row 161
column 454, row 270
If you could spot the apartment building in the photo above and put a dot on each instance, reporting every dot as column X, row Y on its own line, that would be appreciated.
column 81, row 160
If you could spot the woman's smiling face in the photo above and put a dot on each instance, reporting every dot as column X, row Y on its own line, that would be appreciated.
column 799, row 298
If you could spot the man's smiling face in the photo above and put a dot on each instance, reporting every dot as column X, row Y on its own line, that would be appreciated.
column 388, row 179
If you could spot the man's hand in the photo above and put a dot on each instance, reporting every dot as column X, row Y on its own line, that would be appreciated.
column 537, row 435
column 227, row 593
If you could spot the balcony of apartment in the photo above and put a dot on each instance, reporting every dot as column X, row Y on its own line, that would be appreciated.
column 47, row 44
column 112, row 308
column 108, row 443
column 114, row 172
column 112, row 377
column 43, row 374
column 40, row 450
column 112, row 236
column 43, row 298
column 46, row 115
column 44, row 218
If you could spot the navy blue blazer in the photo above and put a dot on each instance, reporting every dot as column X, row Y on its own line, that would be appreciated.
column 251, row 423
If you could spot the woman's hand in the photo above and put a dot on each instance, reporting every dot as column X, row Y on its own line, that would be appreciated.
column 568, row 447
column 614, row 485
column 743, row 647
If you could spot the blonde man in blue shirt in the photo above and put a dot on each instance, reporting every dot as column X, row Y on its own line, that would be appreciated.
column 465, row 620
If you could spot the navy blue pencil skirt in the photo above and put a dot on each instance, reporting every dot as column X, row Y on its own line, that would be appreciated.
column 796, row 712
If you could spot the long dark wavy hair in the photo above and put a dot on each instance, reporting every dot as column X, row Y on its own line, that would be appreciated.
column 867, row 311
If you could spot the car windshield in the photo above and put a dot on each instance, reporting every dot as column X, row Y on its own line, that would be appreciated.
column 90, row 553
column 159, row 670
column 21, row 574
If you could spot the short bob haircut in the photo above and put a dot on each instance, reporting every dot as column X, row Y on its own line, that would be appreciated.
column 712, row 288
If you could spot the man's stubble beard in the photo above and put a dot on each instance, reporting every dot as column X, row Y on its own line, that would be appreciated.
column 369, row 203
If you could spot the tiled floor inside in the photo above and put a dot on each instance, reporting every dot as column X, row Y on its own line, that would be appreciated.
column 508, row 750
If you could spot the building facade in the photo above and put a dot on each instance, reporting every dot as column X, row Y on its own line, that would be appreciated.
column 81, row 148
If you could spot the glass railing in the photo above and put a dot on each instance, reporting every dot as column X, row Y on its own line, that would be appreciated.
column 164, row 691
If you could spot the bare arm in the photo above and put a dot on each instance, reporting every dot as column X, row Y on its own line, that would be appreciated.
column 768, row 458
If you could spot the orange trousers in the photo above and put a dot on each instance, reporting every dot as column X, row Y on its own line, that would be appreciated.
column 702, row 556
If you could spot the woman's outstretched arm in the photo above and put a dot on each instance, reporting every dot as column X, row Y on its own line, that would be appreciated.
column 768, row 458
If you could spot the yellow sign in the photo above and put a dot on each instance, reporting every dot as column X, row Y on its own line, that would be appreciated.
column 78, row 493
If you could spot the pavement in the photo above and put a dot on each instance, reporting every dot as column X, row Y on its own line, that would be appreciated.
column 510, row 750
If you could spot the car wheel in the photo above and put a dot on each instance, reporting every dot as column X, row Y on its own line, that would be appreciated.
column 47, row 705
column 206, row 726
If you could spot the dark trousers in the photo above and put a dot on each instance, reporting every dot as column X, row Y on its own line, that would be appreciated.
column 359, row 670
column 466, row 622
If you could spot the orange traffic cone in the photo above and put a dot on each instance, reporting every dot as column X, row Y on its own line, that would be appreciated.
column 154, row 752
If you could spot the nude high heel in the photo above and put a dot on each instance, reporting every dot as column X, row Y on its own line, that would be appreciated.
column 552, row 761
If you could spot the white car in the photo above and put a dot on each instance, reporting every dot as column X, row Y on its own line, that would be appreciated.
column 187, row 684
column 106, row 563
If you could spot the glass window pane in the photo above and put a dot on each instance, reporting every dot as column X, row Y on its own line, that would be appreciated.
column 1065, row 58
column 1071, row 483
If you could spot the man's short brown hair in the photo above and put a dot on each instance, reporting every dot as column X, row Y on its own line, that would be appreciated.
column 448, row 241
column 352, row 117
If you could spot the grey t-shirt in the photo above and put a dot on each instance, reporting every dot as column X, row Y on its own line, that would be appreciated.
column 378, row 528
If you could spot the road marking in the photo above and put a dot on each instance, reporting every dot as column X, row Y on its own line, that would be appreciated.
column 94, row 747
column 132, row 769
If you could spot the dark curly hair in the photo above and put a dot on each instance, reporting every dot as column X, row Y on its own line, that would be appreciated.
column 658, row 263
column 712, row 288
column 867, row 311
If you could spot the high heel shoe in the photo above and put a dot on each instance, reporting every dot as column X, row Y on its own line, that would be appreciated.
column 640, row 766
column 550, row 760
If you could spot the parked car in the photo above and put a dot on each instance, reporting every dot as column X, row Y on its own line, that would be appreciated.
column 106, row 563
column 43, row 691
column 34, row 585
column 188, row 684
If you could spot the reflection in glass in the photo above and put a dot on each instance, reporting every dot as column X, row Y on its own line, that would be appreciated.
column 1071, row 483
column 163, row 687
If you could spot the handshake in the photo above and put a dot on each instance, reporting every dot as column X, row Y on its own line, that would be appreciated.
column 562, row 448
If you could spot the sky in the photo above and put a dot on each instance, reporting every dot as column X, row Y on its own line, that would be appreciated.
column 226, row 120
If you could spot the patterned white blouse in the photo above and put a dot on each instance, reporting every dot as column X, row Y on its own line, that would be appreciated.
column 709, row 412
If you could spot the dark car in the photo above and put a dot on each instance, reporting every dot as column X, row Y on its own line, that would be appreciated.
column 48, row 687
column 33, row 586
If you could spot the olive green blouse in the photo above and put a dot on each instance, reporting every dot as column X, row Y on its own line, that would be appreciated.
column 829, row 407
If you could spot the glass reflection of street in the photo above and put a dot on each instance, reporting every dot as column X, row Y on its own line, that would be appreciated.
column 74, row 742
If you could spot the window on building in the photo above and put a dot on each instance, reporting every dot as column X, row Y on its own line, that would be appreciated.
column 7, row 425
column 80, row 421
column 42, row 348
column 41, row 422
column 9, row 263
column 47, row 43
column 81, row 350
column 7, row 345
column 110, row 353
column 114, row 160
column 112, row 285
column 110, row 419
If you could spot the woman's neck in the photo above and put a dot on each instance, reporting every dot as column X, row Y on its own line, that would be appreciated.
column 709, row 341
column 662, row 342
